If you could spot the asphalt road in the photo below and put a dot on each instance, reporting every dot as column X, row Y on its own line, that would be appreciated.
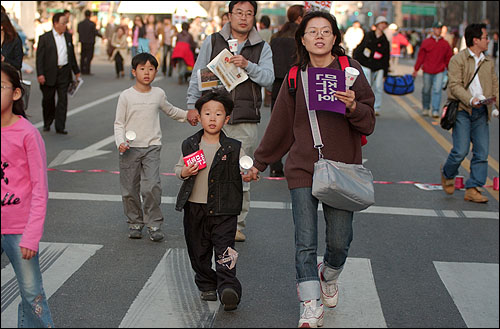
column 418, row 259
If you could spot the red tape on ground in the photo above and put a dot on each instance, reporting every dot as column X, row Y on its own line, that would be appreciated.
column 72, row 171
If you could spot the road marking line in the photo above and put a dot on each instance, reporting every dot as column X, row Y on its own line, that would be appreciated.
column 170, row 298
column 474, row 290
column 58, row 262
column 443, row 142
column 359, row 304
column 288, row 206
column 91, row 104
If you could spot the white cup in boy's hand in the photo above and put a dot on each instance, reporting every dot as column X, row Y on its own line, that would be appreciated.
column 246, row 162
column 130, row 136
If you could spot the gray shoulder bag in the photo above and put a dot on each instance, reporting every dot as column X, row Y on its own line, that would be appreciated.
column 337, row 184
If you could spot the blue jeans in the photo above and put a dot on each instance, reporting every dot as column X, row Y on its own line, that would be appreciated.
column 432, row 83
column 338, row 239
column 33, row 310
column 470, row 128
column 376, row 81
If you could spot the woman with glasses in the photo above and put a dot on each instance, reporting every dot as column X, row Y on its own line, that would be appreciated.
column 289, row 131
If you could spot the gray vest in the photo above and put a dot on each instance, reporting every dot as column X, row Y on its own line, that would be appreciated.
column 247, row 96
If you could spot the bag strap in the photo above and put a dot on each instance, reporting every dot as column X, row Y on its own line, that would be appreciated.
column 292, row 80
column 344, row 62
column 313, row 120
column 477, row 70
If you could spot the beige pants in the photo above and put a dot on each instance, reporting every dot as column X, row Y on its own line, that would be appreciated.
column 247, row 134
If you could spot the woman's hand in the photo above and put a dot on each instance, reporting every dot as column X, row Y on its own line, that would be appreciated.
column 27, row 253
column 347, row 97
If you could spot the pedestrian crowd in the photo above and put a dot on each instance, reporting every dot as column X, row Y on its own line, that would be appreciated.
column 215, row 192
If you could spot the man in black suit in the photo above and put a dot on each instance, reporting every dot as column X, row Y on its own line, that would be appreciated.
column 87, row 33
column 55, row 59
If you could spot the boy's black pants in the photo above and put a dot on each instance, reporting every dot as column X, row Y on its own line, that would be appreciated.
column 204, row 236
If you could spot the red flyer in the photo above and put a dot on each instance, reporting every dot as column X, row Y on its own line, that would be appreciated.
column 197, row 156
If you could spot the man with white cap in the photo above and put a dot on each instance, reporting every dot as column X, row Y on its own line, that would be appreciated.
column 373, row 53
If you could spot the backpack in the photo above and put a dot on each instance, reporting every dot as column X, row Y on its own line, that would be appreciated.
column 292, row 83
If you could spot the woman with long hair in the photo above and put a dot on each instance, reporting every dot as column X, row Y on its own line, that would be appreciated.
column 318, row 46
column 119, row 43
column 12, row 46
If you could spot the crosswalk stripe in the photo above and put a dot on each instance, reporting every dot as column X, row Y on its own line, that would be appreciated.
column 170, row 298
column 58, row 261
column 474, row 289
column 359, row 304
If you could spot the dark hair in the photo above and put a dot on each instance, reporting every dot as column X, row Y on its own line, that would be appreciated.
column 253, row 3
column 292, row 14
column 143, row 58
column 302, row 53
column 56, row 17
column 66, row 11
column 8, row 28
column 219, row 95
column 88, row 13
column 13, row 75
column 266, row 21
column 185, row 26
column 473, row 31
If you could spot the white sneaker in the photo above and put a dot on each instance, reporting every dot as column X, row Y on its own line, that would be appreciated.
column 426, row 113
column 329, row 291
column 312, row 316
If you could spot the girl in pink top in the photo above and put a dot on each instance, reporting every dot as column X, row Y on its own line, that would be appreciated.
column 24, row 200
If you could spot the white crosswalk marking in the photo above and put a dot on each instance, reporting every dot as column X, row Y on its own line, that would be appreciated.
column 170, row 298
column 58, row 261
column 474, row 289
column 359, row 304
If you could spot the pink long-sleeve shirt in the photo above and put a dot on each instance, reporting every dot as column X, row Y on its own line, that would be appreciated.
column 24, row 183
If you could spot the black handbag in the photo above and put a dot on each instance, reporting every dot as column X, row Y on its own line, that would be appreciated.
column 449, row 115
column 450, row 109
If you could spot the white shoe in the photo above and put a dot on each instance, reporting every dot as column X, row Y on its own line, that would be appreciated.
column 312, row 316
column 329, row 291
column 426, row 113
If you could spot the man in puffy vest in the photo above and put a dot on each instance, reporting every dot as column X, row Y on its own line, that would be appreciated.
column 255, row 57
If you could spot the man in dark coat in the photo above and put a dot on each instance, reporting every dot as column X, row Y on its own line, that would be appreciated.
column 87, row 32
column 55, row 59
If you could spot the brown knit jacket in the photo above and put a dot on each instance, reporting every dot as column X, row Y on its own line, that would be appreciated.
column 289, row 131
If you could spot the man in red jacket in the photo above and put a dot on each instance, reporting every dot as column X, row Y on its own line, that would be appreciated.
column 433, row 57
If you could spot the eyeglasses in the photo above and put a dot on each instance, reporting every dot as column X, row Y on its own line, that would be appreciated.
column 7, row 87
column 314, row 33
column 240, row 13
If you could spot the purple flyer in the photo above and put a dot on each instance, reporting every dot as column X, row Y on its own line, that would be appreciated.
column 323, row 82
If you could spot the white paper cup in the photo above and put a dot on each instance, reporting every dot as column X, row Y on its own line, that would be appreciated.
column 351, row 74
column 246, row 162
column 130, row 135
column 233, row 45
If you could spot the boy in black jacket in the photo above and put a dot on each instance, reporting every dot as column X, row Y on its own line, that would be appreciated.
column 212, row 199
column 374, row 53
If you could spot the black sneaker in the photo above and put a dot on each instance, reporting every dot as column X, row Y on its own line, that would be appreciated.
column 210, row 295
column 155, row 234
column 135, row 233
column 229, row 299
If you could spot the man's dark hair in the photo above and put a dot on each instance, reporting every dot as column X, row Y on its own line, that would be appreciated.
column 219, row 95
column 185, row 26
column 473, row 31
column 266, row 21
column 57, row 17
column 88, row 13
column 253, row 3
column 143, row 58
column 65, row 11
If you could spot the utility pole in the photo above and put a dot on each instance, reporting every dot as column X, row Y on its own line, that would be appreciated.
column 398, row 13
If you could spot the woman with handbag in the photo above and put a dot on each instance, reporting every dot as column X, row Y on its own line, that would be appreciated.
column 119, row 44
column 318, row 45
